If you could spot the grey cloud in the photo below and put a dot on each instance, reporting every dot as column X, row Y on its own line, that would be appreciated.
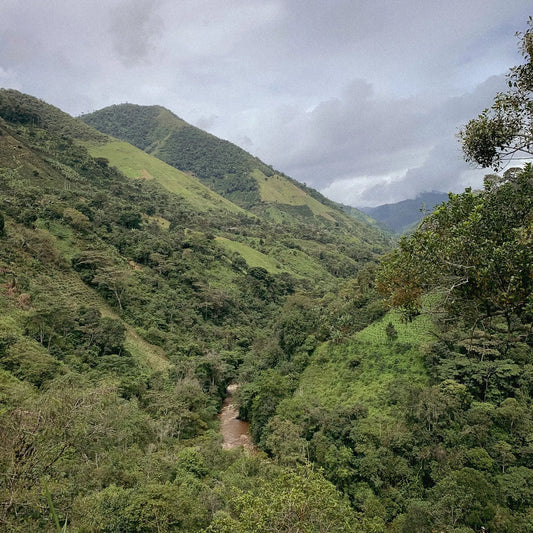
column 404, row 146
column 206, row 123
column 442, row 171
column 342, row 95
column 444, row 168
column 357, row 131
column 134, row 27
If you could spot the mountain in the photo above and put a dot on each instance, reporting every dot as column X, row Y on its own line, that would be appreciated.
column 401, row 216
column 180, row 211
column 234, row 174
column 132, row 295
column 224, row 167
column 221, row 165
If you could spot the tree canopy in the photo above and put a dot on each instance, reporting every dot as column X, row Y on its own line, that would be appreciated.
column 475, row 251
column 505, row 130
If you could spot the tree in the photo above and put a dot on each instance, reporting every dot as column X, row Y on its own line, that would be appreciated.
column 285, row 441
column 463, row 497
column 476, row 253
column 391, row 332
column 114, row 281
column 76, row 219
column 291, row 501
column 506, row 128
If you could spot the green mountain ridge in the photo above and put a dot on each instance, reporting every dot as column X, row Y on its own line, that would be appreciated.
column 20, row 108
column 220, row 164
column 128, row 302
column 224, row 167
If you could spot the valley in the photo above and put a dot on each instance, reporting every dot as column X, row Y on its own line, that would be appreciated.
column 148, row 267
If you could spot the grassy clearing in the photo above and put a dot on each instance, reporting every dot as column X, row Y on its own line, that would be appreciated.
column 63, row 236
column 300, row 264
column 362, row 370
column 135, row 163
column 144, row 353
column 252, row 257
column 279, row 259
column 278, row 190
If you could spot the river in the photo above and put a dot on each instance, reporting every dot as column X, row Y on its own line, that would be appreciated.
column 235, row 432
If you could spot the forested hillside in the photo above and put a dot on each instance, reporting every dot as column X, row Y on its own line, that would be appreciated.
column 127, row 307
column 221, row 165
column 386, row 390
column 424, row 418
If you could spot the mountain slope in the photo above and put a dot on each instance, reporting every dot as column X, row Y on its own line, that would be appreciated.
column 241, row 178
column 27, row 110
column 170, row 228
column 127, row 304
column 221, row 165
column 401, row 216
column 218, row 163
column 137, row 164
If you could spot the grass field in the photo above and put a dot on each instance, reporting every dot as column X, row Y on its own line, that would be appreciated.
column 363, row 369
column 252, row 257
column 135, row 163
column 276, row 189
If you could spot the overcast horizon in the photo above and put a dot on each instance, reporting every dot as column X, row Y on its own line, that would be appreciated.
column 361, row 100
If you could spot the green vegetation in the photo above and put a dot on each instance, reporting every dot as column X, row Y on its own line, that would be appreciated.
column 391, row 397
column 29, row 111
column 143, row 126
column 135, row 163
column 249, row 256
column 504, row 130
column 422, row 419
column 277, row 189
column 225, row 168
column 127, row 307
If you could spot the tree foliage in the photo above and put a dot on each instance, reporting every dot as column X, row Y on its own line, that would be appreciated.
column 124, row 318
column 475, row 254
column 506, row 128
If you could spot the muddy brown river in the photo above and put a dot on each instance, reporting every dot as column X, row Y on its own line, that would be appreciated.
column 235, row 432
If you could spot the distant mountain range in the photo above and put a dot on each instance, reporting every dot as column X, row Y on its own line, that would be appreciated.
column 401, row 216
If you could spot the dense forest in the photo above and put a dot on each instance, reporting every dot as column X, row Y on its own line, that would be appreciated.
column 388, row 389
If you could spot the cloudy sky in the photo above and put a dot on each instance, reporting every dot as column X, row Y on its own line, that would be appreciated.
column 361, row 99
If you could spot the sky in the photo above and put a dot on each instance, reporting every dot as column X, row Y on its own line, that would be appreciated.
column 360, row 99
